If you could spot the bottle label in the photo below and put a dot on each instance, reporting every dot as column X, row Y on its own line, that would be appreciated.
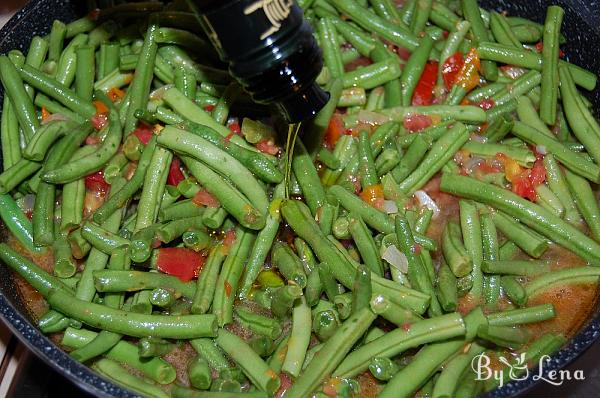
column 242, row 28
column 276, row 12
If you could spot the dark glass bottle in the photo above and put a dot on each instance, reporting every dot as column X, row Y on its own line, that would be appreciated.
column 270, row 50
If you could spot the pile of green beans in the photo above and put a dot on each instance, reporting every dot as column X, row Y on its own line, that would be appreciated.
column 412, row 226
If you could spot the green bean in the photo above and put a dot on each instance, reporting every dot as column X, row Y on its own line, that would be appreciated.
column 334, row 349
column 411, row 159
column 584, row 125
column 547, row 199
column 441, row 152
column 288, row 264
column 513, row 290
column 85, row 72
column 447, row 292
column 456, row 256
column 203, row 150
column 153, row 188
column 573, row 161
column 10, row 136
column 132, row 324
column 17, row 222
column 417, row 274
column 175, row 229
column 463, row 113
column 471, row 231
column 373, row 75
column 529, row 241
column 529, row 115
column 365, row 243
column 536, row 217
column 116, row 373
column 91, row 163
column 227, row 283
column 108, row 59
column 480, row 34
column 522, row 268
column 443, row 16
column 22, row 104
column 557, row 183
column 582, row 275
column 521, row 316
column 550, row 54
column 508, row 251
column 354, row 96
column 140, row 85
column 101, row 239
column 189, row 110
column 363, row 42
column 114, row 281
column 421, row 16
column 58, row 91
column 373, row 23
column 395, row 313
column 383, row 368
column 16, row 174
column 414, row 68
column 527, row 59
column 330, row 43
column 399, row 340
column 39, row 279
column 586, row 202
column 263, row 377
column 299, row 339
column 519, row 87
column 502, row 31
column 46, row 135
column 343, row 304
column 230, row 198
column 255, row 162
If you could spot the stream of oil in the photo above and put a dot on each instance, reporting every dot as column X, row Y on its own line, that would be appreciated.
column 290, row 144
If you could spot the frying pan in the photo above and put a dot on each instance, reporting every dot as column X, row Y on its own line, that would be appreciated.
column 582, row 29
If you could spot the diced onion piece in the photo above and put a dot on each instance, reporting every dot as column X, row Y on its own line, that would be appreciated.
column 55, row 117
column 396, row 258
column 390, row 207
column 541, row 149
column 427, row 201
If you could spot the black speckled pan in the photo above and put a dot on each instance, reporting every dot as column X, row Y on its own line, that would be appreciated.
column 581, row 27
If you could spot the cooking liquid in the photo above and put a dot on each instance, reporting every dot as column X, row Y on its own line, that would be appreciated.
column 290, row 144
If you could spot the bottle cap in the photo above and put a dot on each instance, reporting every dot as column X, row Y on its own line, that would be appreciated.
column 303, row 105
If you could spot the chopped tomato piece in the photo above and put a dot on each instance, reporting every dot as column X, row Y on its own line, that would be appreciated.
column 417, row 122
column 373, row 195
column 451, row 67
column 209, row 108
column 99, row 120
column 524, row 181
column 286, row 383
column 115, row 94
column 423, row 94
column 100, row 107
column 181, row 262
column 204, row 198
column 357, row 63
column 45, row 114
column 144, row 132
column 468, row 77
column 335, row 130
column 267, row 146
column 95, row 182
column 229, row 238
column 175, row 175
column 235, row 128
column 487, row 104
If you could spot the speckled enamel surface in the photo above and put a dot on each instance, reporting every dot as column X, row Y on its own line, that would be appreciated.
column 581, row 27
